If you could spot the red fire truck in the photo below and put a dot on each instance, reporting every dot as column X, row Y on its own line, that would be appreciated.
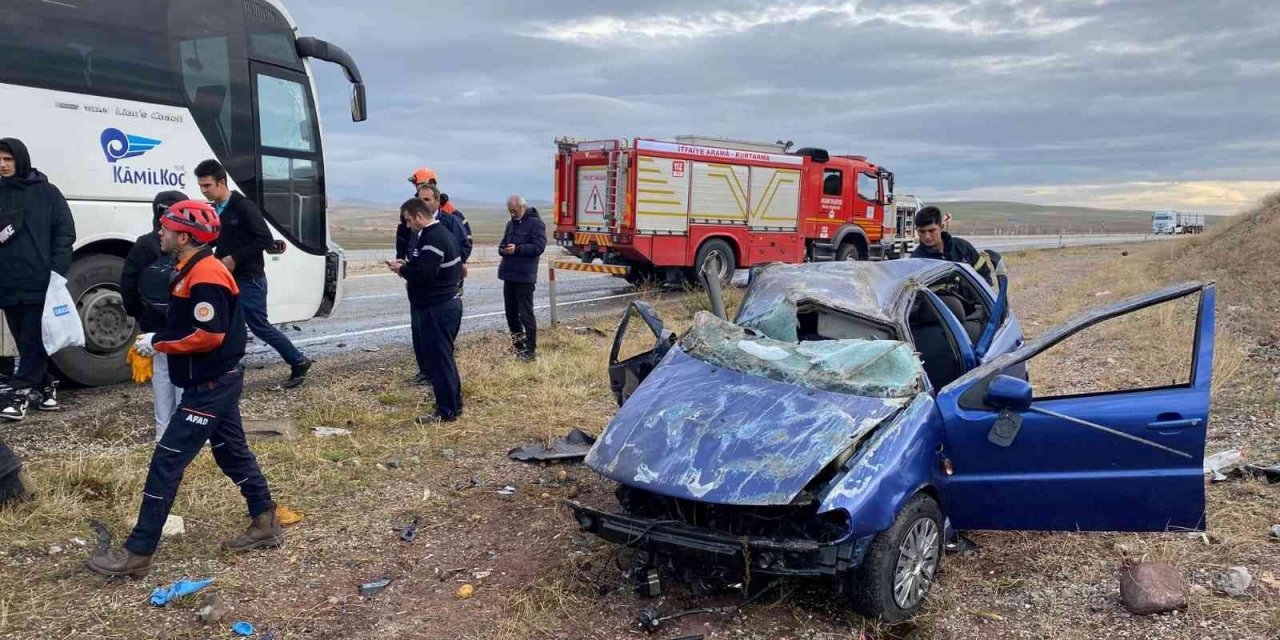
column 670, row 208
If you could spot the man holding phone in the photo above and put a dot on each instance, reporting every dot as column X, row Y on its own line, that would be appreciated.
column 521, row 248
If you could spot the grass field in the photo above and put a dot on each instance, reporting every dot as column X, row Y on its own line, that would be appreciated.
column 535, row 575
column 364, row 227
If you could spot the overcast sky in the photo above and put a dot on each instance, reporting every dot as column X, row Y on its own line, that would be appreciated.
column 1145, row 104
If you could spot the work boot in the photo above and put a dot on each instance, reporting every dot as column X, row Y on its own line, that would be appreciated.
column 13, row 404
column 118, row 563
column 264, row 532
column 298, row 373
column 519, row 343
column 48, row 400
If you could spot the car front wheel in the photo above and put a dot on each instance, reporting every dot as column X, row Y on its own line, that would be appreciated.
column 900, row 567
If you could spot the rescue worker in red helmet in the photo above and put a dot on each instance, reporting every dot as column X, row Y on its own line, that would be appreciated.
column 204, row 337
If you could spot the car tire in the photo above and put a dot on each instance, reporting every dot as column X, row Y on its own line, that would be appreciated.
column 94, row 283
column 915, row 539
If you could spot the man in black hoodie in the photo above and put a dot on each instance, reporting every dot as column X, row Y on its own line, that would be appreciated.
column 144, row 289
column 36, row 236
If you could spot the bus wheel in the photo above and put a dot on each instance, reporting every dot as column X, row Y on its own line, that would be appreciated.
column 94, row 283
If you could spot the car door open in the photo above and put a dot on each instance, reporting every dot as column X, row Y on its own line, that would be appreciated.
column 1128, row 458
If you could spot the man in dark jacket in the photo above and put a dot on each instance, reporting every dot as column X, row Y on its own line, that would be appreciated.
column 244, row 237
column 429, row 192
column 523, row 242
column 940, row 245
column 144, row 289
column 204, row 334
column 36, row 236
column 432, row 274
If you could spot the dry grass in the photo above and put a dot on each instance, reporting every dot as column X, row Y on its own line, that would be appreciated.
column 508, row 402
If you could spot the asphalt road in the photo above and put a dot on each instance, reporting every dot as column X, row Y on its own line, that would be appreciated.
column 375, row 312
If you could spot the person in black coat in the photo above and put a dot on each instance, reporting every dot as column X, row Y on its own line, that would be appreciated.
column 37, row 233
column 144, row 290
column 940, row 245
column 432, row 274
column 523, row 242
column 244, row 238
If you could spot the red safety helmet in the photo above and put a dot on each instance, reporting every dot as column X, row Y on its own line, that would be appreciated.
column 198, row 219
column 425, row 175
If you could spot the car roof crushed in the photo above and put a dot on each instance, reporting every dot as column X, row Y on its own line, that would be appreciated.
column 866, row 289
column 871, row 368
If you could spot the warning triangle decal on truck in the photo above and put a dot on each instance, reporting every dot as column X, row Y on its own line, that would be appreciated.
column 595, row 204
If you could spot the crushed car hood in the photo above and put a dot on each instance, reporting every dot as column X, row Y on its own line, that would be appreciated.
column 701, row 432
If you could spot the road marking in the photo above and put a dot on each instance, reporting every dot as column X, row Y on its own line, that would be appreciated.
column 400, row 327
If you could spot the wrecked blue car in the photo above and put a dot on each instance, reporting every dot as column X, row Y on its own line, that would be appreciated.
column 852, row 408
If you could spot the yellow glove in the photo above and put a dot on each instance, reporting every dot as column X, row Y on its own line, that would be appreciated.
column 141, row 365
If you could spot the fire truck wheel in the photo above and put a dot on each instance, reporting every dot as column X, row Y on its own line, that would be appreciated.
column 716, row 255
column 850, row 250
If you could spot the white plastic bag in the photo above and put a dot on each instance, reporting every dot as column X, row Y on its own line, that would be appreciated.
column 60, row 325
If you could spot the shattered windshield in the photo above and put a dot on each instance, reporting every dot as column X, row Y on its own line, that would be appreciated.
column 871, row 368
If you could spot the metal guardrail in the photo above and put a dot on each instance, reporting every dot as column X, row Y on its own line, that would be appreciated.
column 569, row 265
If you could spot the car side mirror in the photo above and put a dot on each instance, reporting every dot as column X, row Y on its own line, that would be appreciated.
column 1008, row 393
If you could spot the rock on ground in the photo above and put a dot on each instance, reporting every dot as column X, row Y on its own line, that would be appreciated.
column 1151, row 587
column 1235, row 582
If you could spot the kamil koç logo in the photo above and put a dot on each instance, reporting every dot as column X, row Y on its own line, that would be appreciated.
column 118, row 145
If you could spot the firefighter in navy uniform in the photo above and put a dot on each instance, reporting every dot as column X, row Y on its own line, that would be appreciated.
column 204, row 338
column 432, row 275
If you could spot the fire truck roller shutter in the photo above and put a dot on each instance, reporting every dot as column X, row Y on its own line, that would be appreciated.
column 720, row 193
column 590, row 204
column 775, row 199
column 662, row 196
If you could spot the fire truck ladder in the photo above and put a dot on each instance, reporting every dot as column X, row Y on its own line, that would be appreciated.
column 616, row 186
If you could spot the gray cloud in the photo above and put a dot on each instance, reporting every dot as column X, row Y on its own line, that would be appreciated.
column 982, row 97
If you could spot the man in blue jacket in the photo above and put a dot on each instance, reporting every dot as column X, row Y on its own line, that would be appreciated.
column 522, row 245
column 36, row 236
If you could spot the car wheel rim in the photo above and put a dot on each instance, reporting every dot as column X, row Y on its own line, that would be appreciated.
column 917, row 563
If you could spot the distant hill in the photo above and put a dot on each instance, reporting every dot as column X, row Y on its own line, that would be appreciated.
column 980, row 217
column 369, row 225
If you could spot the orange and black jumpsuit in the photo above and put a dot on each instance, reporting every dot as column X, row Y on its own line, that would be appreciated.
column 204, row 337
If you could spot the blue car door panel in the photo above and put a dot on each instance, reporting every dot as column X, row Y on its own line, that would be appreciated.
column 1117, row 461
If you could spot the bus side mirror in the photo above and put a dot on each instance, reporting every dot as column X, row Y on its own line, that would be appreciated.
column 359, row 104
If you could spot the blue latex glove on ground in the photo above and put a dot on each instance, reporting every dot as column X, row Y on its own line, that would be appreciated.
column 164, row 595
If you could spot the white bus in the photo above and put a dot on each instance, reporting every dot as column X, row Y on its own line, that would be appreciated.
column 118, row 100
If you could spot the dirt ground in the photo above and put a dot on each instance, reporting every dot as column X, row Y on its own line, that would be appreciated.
column 534, row 574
